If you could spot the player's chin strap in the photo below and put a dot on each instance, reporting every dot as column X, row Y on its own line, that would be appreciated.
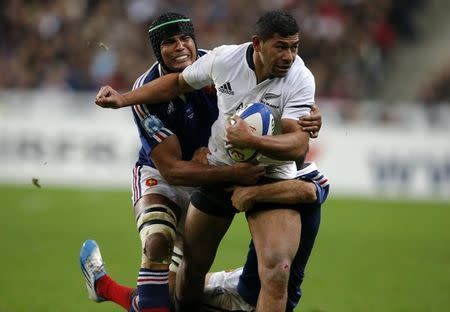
column 157, row 218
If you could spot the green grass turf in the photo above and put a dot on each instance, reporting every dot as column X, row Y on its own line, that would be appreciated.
column 369, row 255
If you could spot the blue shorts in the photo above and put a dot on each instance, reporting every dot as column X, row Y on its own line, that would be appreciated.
column 214, row 200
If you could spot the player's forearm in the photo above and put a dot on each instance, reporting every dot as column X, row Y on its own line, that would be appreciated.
column 189, row 173
column 285, row 192
column 289, row 146
column 160, row 90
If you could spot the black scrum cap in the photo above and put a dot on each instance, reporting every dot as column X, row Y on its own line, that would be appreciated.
column 166, row 26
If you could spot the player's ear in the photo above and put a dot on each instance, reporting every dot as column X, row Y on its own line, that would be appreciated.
column 257, row 41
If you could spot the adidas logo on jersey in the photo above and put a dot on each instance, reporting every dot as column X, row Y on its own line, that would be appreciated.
column 226, row 88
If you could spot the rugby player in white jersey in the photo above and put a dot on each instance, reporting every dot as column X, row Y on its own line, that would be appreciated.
column 266, row 70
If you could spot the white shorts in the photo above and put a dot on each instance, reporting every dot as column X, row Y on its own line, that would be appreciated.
column 226, row 279
column 148, row 180
column 224, row 299
column 221, row 294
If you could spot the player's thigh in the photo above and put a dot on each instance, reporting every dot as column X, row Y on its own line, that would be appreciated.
column 275, row 233
column 202, row 235
column 149, row 188
column 152, row 200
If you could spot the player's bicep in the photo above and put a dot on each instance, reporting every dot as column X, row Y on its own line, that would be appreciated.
column 166, row 153
column 291, row 127
column 297, row 138
column 183, row 85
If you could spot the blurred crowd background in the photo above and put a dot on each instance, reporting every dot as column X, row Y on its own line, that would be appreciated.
column 83, row 44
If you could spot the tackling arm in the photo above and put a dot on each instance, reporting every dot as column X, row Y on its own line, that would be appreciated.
column 167, row 158
column 159, row 90
column 284, row 192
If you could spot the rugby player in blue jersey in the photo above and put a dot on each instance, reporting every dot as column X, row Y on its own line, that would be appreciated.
column 160, row 125
column 170, row 133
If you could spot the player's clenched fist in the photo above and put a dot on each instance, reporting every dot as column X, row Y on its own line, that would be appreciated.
column 107, row 97
column 238, row 132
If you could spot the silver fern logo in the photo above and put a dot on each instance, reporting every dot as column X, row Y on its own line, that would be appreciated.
column 270, row 96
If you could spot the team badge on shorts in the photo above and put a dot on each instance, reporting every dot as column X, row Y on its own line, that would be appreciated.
column 151, row 182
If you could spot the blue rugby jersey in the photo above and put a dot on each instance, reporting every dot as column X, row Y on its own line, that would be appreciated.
column 189, row 117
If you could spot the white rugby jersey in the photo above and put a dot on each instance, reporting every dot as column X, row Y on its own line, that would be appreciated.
column 230, row 68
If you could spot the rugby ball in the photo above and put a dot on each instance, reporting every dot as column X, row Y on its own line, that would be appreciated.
column 260, row 119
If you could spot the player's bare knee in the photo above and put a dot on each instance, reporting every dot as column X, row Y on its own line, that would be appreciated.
column 275, row 280
column 275, row 260
column 274, row 272
column 158, row 247
column 280, row 269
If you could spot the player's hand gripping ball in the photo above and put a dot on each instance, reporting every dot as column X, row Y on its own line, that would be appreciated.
column 260, row 119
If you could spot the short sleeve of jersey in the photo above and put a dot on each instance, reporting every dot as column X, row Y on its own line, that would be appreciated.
column 301, row 99
column 319, row 179
column 321, row 192
column 152, row 128
column 199, row 73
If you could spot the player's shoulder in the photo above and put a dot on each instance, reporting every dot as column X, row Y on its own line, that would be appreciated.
column 228, row 57
column 150, row 74
column 233, row 52
column 232, row 48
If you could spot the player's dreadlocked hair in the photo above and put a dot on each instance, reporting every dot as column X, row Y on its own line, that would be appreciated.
column 166, row 26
